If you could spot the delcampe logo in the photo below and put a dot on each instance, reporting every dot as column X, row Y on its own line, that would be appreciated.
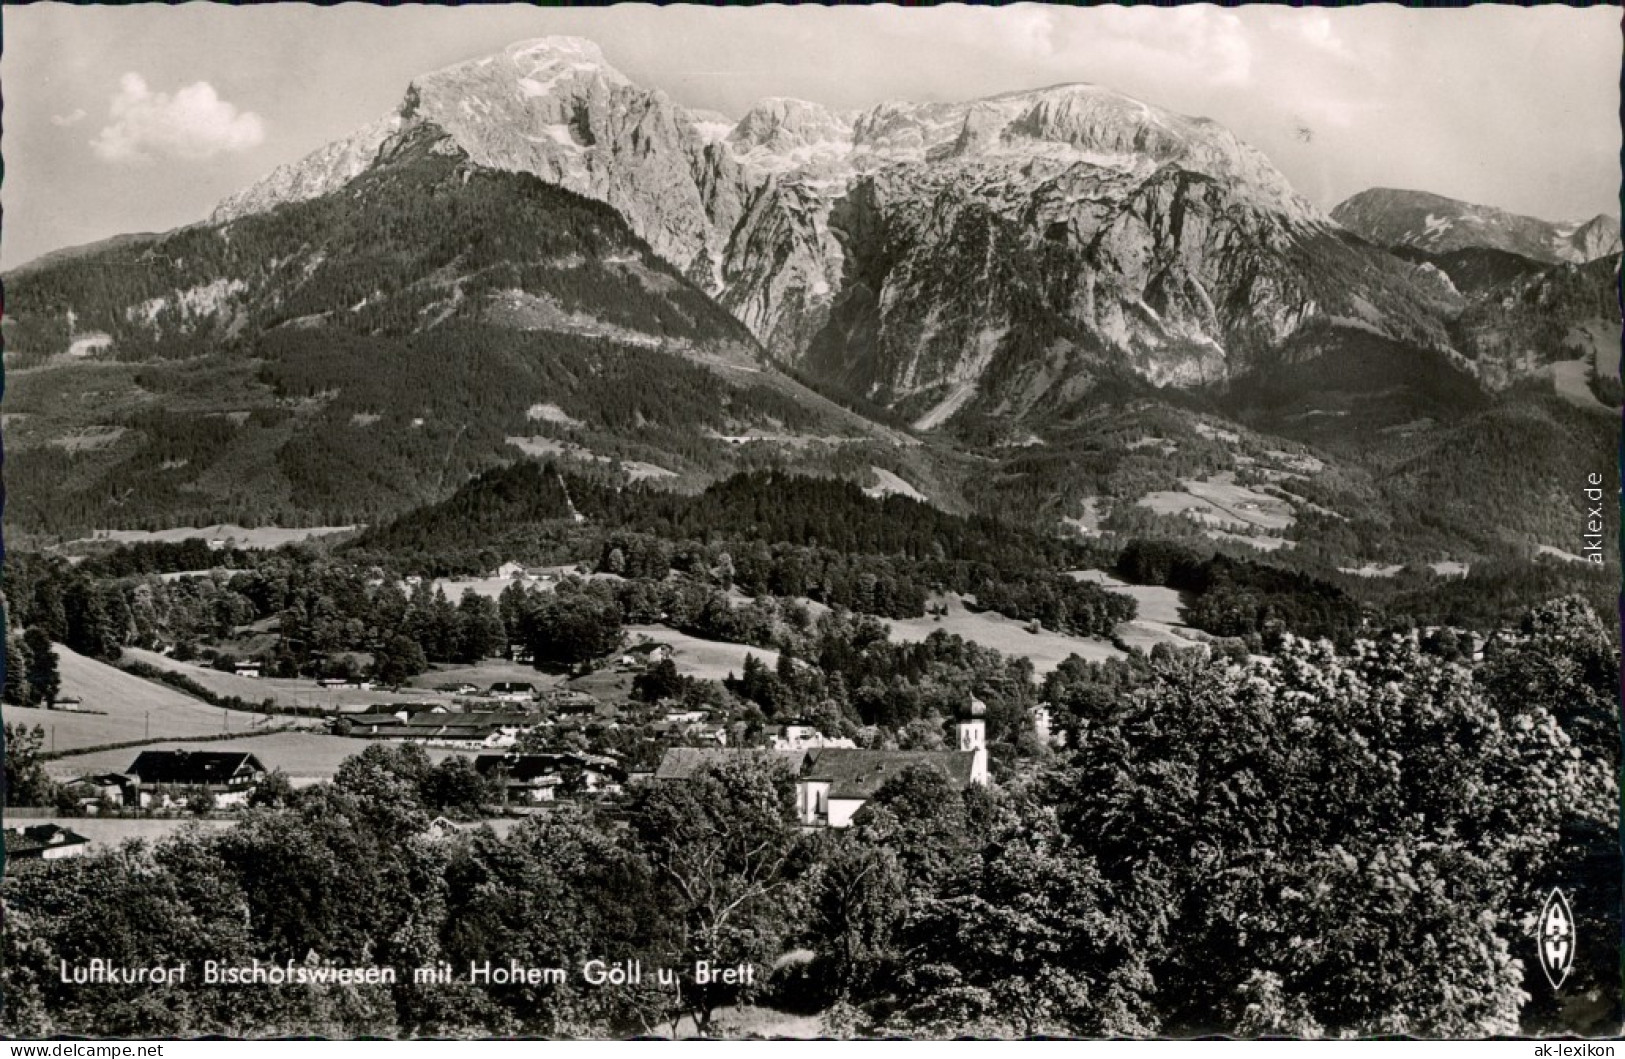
column 1555, row 937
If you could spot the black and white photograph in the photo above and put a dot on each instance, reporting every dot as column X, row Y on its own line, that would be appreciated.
column 811, row 522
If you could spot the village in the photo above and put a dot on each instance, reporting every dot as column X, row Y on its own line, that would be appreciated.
column 833, row 776
column 537, row 745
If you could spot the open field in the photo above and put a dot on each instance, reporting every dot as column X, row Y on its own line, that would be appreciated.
column 66, row 730
column 890, row 483
column 1220, row 503
column 703, row 659
column 305, row 756
column 489, row 587
column 1159, row 617
column 1252, row 540
column 486, row 673
column 302, row 693
column 105, row 832
column 119, row 708
column 1373, row 570
column 1571, row 379
column 1147, row 634
column 542, row 447
column 235, row 536
column 1155, row 603
column 1046, row 649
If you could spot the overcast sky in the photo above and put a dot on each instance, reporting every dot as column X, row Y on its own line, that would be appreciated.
column 141, row 118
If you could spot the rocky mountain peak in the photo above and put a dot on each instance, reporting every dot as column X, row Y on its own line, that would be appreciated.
column 783, row 124
column 1098, row 232
column 1596, row 238
column 544, row 68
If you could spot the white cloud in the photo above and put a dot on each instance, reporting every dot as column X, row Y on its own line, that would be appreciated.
column 1315, row 28
column 62, row 121
column 194, row 123
column 1203, row 43
column 1026, row 30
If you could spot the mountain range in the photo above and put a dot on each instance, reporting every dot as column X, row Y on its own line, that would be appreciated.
column 941, row 292
column 1424, row 221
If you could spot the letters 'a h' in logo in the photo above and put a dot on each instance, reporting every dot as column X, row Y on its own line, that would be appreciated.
column 1554, row 935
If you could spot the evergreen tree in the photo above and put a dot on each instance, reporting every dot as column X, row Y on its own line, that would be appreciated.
column 18, row 690
column 43, row 679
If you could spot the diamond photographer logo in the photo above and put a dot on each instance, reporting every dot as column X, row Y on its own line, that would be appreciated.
column 1555, row 937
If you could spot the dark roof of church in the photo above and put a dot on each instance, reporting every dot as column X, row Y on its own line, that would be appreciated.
column 685, row 762
column 850, row 772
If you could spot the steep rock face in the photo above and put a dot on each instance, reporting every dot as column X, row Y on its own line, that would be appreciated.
column 958, row 296
column 556, row 109
column 998, row 253
column 1598, row 237
column 1435, row 224
column 328, row 169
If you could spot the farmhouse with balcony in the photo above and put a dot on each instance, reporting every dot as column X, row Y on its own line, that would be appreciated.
column 227, row 775
column 512, row 691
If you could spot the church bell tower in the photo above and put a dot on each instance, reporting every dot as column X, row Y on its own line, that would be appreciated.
column 972, row 731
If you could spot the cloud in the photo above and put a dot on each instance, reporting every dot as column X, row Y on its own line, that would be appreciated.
column 194, row 124
column 1026, row 30
column 1315, row 29
column 1204, row 44
column 62, row 121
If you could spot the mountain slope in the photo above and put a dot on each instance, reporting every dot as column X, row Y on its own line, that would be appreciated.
column 996, row 256
column 1436, row 224
column 341, row 358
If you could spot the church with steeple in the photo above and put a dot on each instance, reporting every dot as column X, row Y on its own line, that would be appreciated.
column 833, row 783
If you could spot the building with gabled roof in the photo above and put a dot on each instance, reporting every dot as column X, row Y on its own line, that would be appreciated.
column 92, row 791
column 686, row 762
column 44, row 842
column 833, row 783
column 540, row 777
column 230, row 776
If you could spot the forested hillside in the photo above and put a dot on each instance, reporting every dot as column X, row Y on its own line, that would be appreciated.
column 345, row 358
